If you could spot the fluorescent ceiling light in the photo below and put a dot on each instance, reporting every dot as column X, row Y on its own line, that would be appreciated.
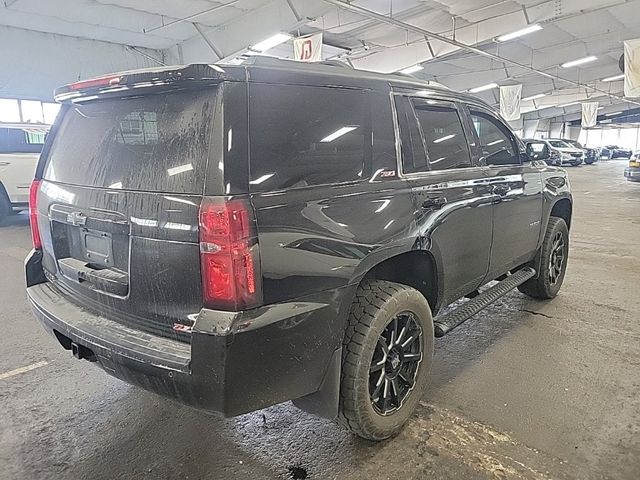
column 519, row 33
column 533, row 97
column 488, row 86
column 614, row 78
column 567, row 104
column 270, row 42
column 495, row 142
column 579, row 61
column 338, row 133
column 181, row 169
column 612, row 114
column 446, row 137
column 412, row 69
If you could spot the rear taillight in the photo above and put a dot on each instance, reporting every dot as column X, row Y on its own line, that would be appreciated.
column 229, row 254
column 33, row 214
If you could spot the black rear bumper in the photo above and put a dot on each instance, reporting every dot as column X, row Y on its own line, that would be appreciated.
column 235, row 363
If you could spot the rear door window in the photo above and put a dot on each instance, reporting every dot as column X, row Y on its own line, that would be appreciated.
column 156, row 143
column 443, row 134
column 303, row 136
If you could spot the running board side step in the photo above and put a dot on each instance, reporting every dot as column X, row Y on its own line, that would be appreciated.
column 446, row 323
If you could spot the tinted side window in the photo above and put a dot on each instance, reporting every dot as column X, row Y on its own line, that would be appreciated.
column 495, row 141
column 302, row 136
column 443, row 134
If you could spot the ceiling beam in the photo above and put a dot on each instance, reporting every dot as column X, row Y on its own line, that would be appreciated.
column 191, row 17
column 209, row 43
column 423, row 32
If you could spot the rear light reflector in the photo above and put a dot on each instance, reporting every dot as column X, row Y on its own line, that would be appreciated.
column 33, row 214
column 229, row 254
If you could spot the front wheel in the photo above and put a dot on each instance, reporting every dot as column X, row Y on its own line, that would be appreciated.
column 387, row 355
column 552, row 260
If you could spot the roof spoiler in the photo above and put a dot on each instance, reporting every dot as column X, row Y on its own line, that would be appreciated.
column 124, row 83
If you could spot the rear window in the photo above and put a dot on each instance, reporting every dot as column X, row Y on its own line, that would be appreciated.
column 558, row 144
column 153, row 143
column 303, row 136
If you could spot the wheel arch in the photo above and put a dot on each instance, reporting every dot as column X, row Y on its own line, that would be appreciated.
column 563, row 208
column 414, row 268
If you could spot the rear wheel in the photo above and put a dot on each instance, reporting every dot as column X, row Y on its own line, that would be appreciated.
column 552, row 259
column 5, row 205
column 388, row 351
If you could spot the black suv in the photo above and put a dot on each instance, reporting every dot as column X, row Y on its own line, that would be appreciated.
column 234, row 237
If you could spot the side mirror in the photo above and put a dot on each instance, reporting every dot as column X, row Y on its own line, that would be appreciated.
column 538, row 151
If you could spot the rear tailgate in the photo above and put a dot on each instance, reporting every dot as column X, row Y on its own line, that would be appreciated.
column 118, row 207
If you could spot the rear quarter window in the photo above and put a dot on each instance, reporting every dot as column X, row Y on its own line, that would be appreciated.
column 303, row 136
column 156, row 143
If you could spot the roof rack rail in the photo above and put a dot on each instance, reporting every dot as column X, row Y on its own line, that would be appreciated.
column 266, row 61
column 335, row 63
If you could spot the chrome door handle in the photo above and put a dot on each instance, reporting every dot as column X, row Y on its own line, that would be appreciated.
column 501, row 189
column 434, row 203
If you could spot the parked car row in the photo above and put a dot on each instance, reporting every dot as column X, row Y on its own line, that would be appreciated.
column 561, row 152
column 564, row 152
column 613, row 151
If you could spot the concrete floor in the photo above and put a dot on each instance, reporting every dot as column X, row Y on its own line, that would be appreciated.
column 525, row 390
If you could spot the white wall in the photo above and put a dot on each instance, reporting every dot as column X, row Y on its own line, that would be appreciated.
column 34, row 63
column 623, row 137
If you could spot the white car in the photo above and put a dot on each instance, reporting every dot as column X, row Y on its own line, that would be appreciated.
column 20, row 147
column 563, row 153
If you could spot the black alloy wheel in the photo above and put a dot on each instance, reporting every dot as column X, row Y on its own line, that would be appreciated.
column 556, row 259
column 551, row 262
column 387, row 354
column 395, row 363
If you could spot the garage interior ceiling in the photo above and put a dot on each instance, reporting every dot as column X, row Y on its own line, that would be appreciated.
column 99, row 36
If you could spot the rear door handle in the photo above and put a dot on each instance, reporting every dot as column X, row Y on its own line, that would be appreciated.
column 434, row 203
column 4, row 164
column 501, row 189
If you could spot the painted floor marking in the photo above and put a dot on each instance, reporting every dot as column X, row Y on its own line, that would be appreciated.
column 20, row 370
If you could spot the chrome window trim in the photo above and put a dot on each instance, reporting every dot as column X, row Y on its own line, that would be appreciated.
column 417, row 175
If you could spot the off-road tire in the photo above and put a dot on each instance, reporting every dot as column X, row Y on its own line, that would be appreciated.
column 376, row 304
column 541, row 287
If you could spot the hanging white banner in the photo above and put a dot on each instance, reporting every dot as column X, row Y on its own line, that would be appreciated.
column 308, row 48
column 589, row 114
column 632, row 68
column 510, row 102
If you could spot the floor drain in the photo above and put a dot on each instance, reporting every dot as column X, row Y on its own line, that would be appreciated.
column 297, row 472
